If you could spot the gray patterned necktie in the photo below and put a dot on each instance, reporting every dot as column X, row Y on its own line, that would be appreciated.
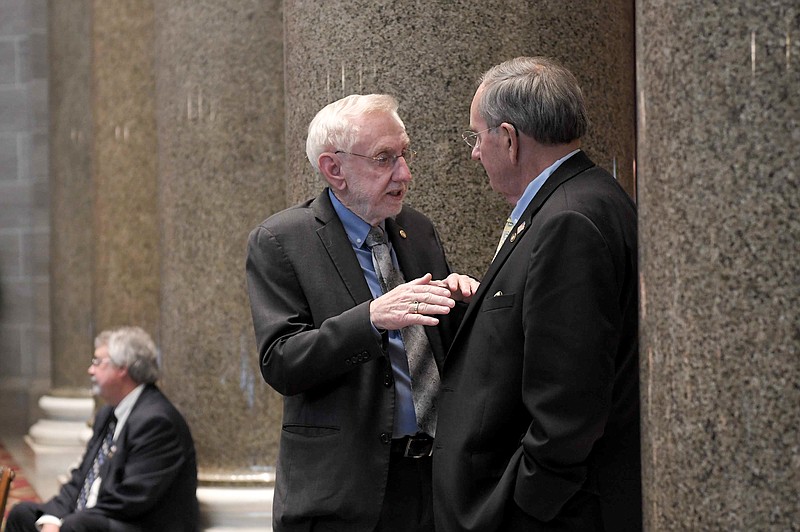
column 421, row 365
column 99, row 460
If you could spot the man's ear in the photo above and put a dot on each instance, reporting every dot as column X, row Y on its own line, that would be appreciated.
column 511, row 139
column 331, row 169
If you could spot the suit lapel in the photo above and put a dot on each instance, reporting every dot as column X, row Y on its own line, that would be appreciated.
column 333, row 236
column 403, row 249
column 405, row 244
column 570, row 168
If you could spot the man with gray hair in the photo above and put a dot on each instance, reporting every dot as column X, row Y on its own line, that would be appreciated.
column 351, row 327
column 139, row 471
column 539, row 428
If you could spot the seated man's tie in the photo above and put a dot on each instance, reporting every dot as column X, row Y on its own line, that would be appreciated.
column 99, row 460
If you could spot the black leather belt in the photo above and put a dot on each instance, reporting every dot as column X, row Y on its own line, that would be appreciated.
column 419, row 446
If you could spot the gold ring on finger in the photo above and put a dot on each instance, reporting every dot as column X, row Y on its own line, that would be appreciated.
column 416, row 307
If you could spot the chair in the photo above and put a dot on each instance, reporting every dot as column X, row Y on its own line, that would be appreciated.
column 6, row 476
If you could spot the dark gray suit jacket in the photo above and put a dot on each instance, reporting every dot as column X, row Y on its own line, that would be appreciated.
column 541, row 385
column 317, row 347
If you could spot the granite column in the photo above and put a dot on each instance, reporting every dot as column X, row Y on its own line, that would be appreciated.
column 219, row 88
column 719, row 125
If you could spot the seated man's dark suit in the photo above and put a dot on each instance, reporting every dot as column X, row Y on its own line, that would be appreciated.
column 149, row 480
column 317, row 347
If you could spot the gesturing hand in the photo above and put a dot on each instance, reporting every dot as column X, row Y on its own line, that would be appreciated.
column 461, row 287
column 414, row 302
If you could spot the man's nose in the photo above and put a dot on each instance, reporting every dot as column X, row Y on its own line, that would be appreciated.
column 401, row 170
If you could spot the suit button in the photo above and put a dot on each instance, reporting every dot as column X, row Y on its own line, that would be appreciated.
column 386, row 438
column 388, row 381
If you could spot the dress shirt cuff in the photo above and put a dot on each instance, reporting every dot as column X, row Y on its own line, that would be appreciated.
column 47, row 520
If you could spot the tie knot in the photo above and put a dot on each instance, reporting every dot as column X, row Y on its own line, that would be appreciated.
column 376, row 236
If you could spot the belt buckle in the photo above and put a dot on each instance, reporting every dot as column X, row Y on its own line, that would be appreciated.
column 420, row 450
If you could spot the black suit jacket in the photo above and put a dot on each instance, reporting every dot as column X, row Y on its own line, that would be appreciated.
column 541, row 385
column 317, row 347
column 150, row 479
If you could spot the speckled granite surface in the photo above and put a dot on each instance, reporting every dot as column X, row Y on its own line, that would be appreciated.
column 125, row 187
column 429, row 55
column 70, row 194
column 718, row 130
column 221, row 171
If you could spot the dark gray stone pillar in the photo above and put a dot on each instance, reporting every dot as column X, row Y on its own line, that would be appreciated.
column 719, row 123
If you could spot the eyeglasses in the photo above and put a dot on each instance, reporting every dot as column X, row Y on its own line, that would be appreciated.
column 99, row 361
column 472, row 138
column 386, row 161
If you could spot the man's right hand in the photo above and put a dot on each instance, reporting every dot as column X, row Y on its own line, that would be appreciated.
column 413, row 303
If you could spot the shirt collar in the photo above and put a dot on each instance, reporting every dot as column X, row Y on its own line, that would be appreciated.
column 123, row 409
column 356, row 228
column 534, row 186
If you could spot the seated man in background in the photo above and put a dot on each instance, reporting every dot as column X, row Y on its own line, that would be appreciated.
column 138, row 472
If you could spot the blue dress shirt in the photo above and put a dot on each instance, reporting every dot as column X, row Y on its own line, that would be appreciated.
column 405, row 420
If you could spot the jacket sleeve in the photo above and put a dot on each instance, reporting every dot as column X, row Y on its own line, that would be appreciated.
column 572, row 321
column 302, row 341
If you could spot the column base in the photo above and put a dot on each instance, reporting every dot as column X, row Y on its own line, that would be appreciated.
column 235, row 509
column 58, row 441
column 236, row 502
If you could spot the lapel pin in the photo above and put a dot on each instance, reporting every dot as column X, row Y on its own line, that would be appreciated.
column 519, row 230
column 403, row 233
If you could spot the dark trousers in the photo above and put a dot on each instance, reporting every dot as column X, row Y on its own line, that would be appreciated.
column 23, row 517
column 408, row 505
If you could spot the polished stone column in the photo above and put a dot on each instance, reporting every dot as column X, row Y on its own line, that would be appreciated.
column 220, row 113
column 57, row 438
column 71, row 193
column 429, row 56
column 719, row 116
column 125, row 275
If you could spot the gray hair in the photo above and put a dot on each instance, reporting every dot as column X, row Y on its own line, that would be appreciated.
column 132, row 348
column 540, row 97
column 333, row 127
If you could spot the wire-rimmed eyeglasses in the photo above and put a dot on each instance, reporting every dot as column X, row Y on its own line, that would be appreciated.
column 384, row 160
column 472, row 138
